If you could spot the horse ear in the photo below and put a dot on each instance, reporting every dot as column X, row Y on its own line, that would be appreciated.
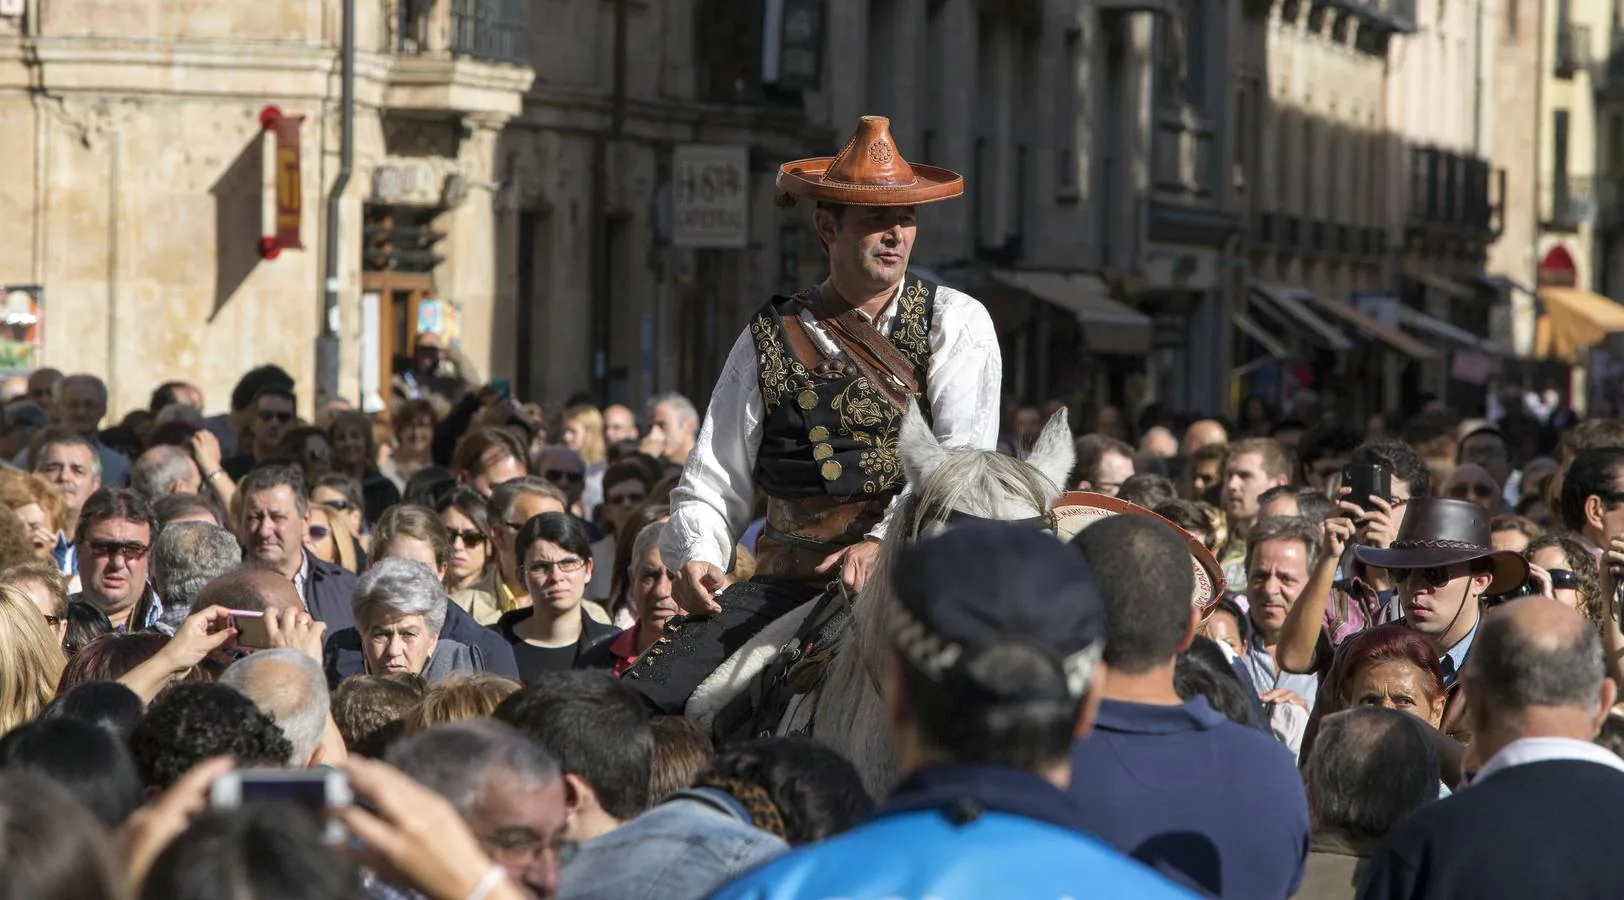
column 921, row 453
column 1054, row 454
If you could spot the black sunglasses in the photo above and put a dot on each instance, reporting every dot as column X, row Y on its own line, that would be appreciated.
column 1435, row 576
column 570, row 475
column 1564, row 579
column 471, row 538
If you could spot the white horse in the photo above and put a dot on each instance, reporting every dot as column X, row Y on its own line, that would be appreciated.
column 845, row 711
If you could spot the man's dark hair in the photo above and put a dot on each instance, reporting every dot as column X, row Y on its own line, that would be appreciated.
column 1593, row 473
column 265, row 850
column 174, row 506
column 164, row 395
column 1149, row 491
column 1401, row 459
column 116, row 503
column 1204, row 671
column 1190, row 517
column 255, row 380
column 91, row 762
column 1513, row 668
column 1370, row 767
column 598, row 730
column 108, row 705
column 1324, row 441
column 1091, row 450
column 988, row 714
column 816, row 792
column 280, row 391
column 269, row 478
column 370, row 711
column 190, row 723
column 348, row 485
column 428, row 485
column 1138, row 563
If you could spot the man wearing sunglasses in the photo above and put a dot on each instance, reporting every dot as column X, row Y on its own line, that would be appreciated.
column 271, row 415
column 115, row 533
column 1443, row 564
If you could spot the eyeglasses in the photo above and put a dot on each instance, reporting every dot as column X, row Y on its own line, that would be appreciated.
column 521, row 847
column 570, row 475
column 1476, row 489
column 275, row 415
column 319, row 532
column 626, row 499
column 471, row 538
column 569, row 565
column 54, row 621
column 132, row 551
column 1564, row 579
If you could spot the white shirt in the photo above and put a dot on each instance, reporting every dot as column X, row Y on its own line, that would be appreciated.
column 711, row 506
column 1545, row 749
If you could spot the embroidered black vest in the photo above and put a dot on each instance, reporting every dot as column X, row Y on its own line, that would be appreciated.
column 832, row 435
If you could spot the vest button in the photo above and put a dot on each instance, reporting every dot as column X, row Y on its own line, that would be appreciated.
column 807, row 399
column 831, row 470
column 818, row 434
column 822, row 451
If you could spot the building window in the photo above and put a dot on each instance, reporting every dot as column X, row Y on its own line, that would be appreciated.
column 1181, row 54
column 1066, row 115
column 1559, row 145
column 1511, row 20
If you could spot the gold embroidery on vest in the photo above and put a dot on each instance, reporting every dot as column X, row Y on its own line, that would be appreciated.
column 911, row 335
column 781, row 373
column 864, row 419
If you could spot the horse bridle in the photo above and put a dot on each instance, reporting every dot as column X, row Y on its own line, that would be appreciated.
column 1044, row 522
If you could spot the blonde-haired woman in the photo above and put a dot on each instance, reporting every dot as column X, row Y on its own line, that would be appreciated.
column 33, row 659
column 583, row 433
column 39, row 504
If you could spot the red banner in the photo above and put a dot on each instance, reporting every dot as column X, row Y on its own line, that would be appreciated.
column 289, row 191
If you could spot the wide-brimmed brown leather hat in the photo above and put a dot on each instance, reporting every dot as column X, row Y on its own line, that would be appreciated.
column 868, row 171
column 1076, row 510
column 1440, row 532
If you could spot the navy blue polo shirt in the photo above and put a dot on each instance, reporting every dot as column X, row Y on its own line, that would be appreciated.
column 1211, row 803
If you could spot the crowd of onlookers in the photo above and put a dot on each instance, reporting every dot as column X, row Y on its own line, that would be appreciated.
column 1406, row 694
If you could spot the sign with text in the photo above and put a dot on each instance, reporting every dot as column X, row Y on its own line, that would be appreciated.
column 792, row 45
column 289, row 190
column 710, row 197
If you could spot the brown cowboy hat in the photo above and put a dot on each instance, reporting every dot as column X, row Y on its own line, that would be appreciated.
column 1077, row 510
column 1437, row 532
column 868, row 171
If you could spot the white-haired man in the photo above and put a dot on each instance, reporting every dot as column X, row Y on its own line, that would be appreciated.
column 289, row 686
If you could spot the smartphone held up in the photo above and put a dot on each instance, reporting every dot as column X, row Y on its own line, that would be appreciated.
column 316, row 791
column 1365, row 481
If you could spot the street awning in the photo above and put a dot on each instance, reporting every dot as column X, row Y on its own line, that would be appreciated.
column 1267, row 341
column 1439, row 283
column 1284, row 304
column 1438, row 328
column 1574, row 320
column 1110, row 326
column 1387, row 334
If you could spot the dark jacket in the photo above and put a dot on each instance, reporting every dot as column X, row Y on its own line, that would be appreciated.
column 328, row 592
column 344, row 646
column 594, row 641
column 1543, row 829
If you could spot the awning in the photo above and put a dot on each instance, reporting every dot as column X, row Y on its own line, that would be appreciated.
column 1573, row 320
column 1292, row 311
column 1110, row 326
column 1438, row 328
column 1253, row 330
column 1441, row 284
column 1387, row 334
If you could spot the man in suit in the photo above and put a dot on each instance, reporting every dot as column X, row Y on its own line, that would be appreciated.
column 1543, row 814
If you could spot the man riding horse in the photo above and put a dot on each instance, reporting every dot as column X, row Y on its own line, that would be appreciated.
column 809, row 406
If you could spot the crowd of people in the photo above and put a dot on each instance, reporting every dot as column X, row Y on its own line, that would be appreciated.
column 1405, row 694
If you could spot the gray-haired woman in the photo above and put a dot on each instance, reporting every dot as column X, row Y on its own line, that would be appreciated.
column 399, row 607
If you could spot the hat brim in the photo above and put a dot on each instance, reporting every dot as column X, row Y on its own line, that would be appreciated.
column 1076, row 510
column 1510, row 569
column 804, row 178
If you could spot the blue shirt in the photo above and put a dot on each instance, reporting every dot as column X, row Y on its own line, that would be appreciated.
column 959, row 832
column 1453, row 661
column 1208, row 801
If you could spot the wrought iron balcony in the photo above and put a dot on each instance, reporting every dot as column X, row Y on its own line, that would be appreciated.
column 486, row 30
column 1568, row 203
column 1610, row 204
column 1454, row 193
column 1572, row 48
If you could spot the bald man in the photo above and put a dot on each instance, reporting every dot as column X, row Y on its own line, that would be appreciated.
column 1543, row 813
column 252, row 589
column 1203, row 433
column 1160, row 441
